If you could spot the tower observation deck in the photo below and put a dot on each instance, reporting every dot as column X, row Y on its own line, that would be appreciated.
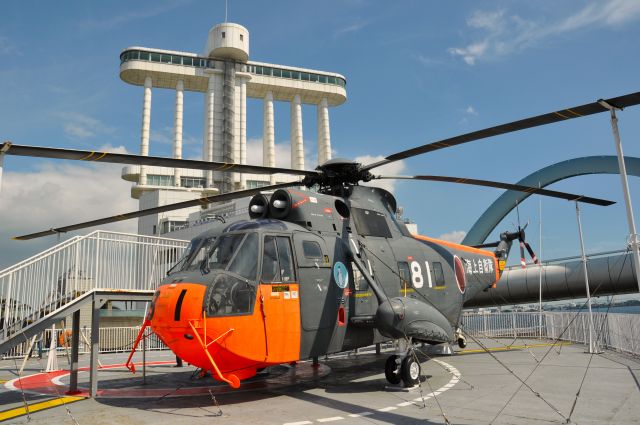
column 226, row 77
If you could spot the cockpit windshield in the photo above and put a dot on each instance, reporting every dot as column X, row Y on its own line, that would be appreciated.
column 222, row 252
column 237, row 253
column 194, row 256
column 233, row 264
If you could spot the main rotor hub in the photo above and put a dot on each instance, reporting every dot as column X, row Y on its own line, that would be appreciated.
column 337, row 173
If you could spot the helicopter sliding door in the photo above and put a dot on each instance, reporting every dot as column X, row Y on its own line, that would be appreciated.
column 319, row 298
column 279, row 298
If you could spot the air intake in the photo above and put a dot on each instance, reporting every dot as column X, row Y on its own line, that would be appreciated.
column 259, row 206
column 280, row 204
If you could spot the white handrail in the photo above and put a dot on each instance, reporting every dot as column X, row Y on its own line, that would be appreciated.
column 615, row 331
column 100, row 259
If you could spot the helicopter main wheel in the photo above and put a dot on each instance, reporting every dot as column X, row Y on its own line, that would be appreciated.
column 410, row 371
column 392, row 370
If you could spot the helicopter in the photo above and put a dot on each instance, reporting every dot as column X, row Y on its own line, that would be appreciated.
column 321, row 265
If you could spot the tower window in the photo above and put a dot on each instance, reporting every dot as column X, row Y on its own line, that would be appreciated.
column 241, row 37
column 223, row 34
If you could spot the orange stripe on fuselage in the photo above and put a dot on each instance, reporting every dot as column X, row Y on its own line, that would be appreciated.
column 465, row 248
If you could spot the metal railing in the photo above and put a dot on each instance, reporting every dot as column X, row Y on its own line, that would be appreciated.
column 112, row 340
column 615, row 331
column 38, row 285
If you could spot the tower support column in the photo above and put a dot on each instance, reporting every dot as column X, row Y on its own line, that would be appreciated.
column 243, row 130
column 268, row 135
column 324, row 138
column 208, row 129
column 146, row 126
column 297, row 145
column 177, row 130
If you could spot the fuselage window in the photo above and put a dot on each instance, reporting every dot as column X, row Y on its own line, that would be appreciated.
column 370, row 223
column 438, row 274
column 359, row 281
column 312, row 249
column 405, row 275
column 277, row 260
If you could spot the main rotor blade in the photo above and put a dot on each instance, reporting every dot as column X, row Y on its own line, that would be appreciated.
column 164, row 208
column 508, row 186
column 552, row 117
column 122, row 158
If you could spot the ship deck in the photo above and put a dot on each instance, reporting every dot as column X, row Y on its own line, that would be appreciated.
column 516, row 382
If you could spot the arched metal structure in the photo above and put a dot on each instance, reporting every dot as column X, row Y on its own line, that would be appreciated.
column 606, row 164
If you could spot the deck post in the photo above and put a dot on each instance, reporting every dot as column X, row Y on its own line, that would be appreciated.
column 75, row 342
column 95, row 346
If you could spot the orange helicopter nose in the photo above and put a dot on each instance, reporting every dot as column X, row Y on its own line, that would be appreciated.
column 227, row 346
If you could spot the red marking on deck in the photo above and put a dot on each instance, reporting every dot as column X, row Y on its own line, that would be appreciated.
column 43, row 383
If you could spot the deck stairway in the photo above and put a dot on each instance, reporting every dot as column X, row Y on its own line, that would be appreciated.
column 95, row 268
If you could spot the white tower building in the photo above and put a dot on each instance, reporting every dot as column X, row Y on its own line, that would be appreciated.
column 226, row 77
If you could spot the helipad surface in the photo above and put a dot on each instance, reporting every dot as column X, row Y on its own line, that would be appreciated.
column 472, row 387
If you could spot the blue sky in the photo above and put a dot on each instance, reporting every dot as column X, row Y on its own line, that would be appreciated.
column 416, row 72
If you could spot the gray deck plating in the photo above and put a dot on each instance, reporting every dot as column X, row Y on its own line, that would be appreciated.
column 356, row 392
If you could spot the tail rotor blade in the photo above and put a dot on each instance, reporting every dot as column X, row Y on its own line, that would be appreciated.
column 531, row 253
column 523, row 263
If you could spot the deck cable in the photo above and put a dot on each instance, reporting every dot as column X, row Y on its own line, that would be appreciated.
column 444, row 416
column 59, row 396
column 433, row 393
column 471, row 387
column 24, row 398
column 522, row 383
column 598, row 336
column 555, row 341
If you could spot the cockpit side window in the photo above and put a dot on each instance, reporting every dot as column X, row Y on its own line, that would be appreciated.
column 270, row 267
column 277, row 260
column 286, row 259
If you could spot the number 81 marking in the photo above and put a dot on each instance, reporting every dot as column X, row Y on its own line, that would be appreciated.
column 416, row 274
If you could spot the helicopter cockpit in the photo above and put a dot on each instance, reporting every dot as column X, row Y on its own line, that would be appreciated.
column 226, row 260
column 229, row 264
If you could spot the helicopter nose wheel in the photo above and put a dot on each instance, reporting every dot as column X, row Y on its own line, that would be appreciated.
column 402, row 369
column 462, row 341
column 460, row 338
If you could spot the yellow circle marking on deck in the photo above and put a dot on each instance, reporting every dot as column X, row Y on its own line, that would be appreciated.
column 513, row 347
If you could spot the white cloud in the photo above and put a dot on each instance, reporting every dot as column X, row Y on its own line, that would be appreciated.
column 392, row 169
column 471, row 110
column 116, row 21
column 498, row 34
column 282, row 152
column 164, row 136
column 352, row 28
column 81, row 126
column 58, row 195
column 455, row 236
